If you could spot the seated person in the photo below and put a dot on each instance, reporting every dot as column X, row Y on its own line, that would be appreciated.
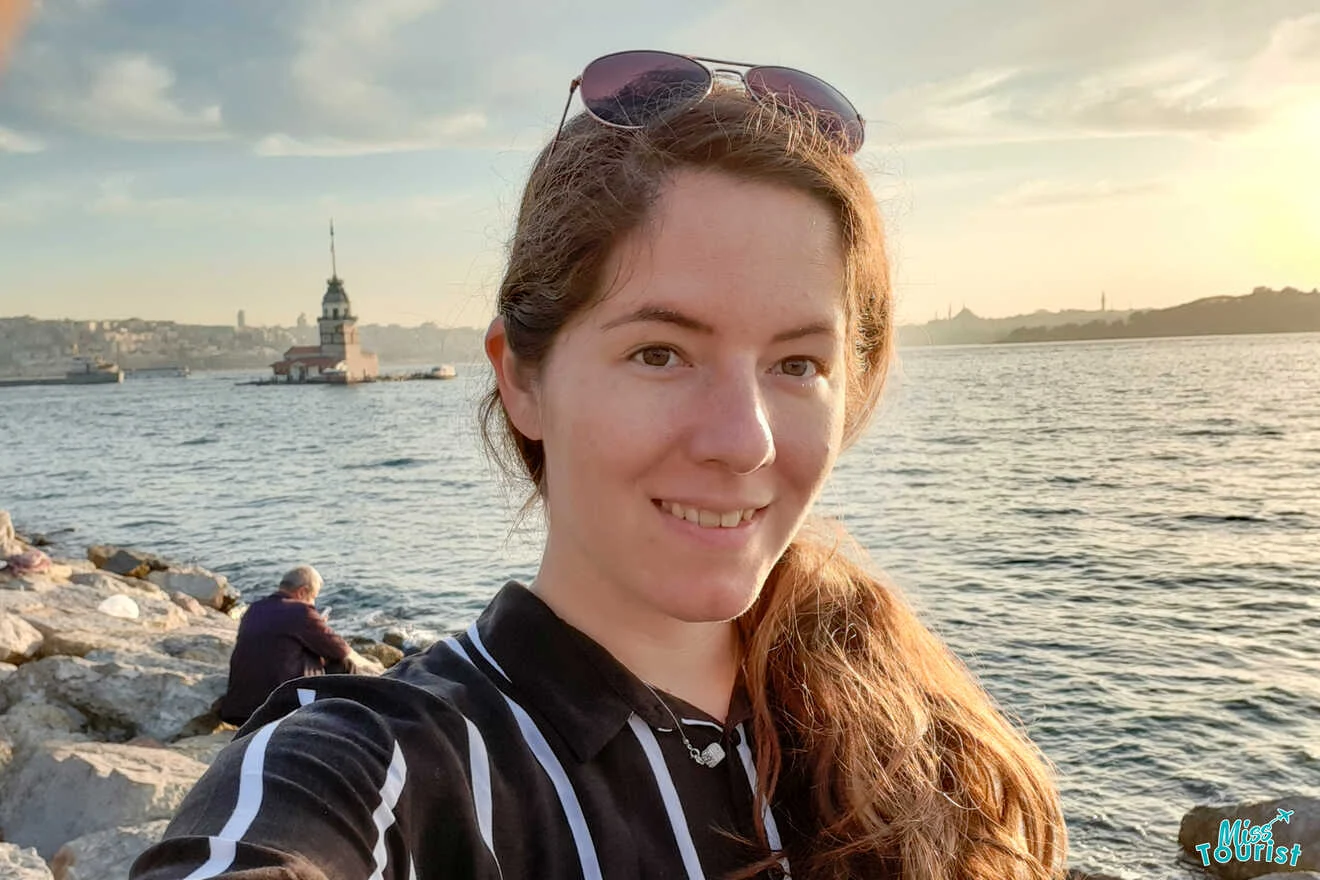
column 282, row 637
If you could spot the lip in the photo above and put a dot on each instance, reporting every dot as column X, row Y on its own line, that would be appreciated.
column 720, row 538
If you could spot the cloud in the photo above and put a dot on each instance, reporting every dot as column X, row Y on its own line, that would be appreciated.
column 1192, row 92
column 428, row 135
column 130, row 97
column 1053, row 194
column 17, row 142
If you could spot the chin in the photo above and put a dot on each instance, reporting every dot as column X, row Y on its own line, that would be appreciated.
column 709, row 599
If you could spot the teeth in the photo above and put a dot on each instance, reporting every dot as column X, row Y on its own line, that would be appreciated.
column 709, row 519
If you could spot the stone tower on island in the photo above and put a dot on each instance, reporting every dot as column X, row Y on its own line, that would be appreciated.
column 339, row 358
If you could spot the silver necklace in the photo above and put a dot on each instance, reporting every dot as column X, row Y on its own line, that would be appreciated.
column 707, row 757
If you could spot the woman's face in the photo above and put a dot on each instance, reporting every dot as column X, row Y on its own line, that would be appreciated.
column 691, row 418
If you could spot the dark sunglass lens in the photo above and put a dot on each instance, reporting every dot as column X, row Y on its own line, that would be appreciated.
column 632, row 89
column 836, row 114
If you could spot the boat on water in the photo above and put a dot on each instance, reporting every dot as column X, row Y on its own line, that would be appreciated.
column 93, row 371
column 159, row 373
column 444, row 371
column 85, row 371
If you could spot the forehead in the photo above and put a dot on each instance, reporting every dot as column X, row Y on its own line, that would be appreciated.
column 732, row 251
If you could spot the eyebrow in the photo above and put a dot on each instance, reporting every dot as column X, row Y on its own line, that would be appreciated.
column 665, row 315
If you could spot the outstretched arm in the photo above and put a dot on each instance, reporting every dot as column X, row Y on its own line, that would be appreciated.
column 320, row 793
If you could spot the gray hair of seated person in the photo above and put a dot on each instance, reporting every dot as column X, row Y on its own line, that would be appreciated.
column 300, row 577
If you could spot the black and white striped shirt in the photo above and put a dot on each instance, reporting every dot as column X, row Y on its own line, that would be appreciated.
column 518, row 749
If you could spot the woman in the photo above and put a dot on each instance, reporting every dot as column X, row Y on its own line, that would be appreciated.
column 695, row 321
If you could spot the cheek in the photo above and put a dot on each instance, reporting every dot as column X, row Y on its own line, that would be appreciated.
column 605, row 431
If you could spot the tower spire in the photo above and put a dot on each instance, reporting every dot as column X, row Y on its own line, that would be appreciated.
column 334, row 271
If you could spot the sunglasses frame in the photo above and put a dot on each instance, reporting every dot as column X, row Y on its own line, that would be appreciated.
column 739, row 69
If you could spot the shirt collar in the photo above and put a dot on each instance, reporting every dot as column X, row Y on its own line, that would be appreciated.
column 573, row 681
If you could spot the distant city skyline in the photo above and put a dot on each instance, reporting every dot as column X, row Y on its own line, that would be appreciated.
column 180, row 162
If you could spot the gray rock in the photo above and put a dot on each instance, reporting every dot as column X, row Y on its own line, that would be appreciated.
column 76, row 566
column 201, row 644
column 204, row 748
column 67, row 790
column 1201, row 825
column 108, row 584
column 105, row 854
column 187, row 603
column 385, row 655
column 204, row 586
column 131, row 563
column 395, row 638
column 121, row 694
column 9, row 542
column 19, row 640
column 17, row 863
column 6, row 669
column 32, row 723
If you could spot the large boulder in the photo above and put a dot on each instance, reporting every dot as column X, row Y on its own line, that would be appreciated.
column 108, row 584
column 106, row 854
column 67, row 790
column 33, row 722
column 17, row 863
column 1201, row 826
column 71, row 623
column 385, row 655
column 121, row 694
column 202, row 644
column 19, row 640
column 204, row 748
column 205, row 586
column 126, row 562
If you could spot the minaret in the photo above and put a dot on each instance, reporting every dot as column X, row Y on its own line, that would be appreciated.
column 337, row 322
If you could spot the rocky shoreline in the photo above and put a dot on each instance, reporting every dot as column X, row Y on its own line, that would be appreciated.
column 110, row 669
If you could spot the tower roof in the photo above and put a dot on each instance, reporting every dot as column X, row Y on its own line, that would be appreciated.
column 334, row 292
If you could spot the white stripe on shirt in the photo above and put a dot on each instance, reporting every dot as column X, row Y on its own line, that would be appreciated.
column 383, row 816
column 545, row 756
column 224, row 846
column 479, row 759
column 749, row 765
column 673, row 806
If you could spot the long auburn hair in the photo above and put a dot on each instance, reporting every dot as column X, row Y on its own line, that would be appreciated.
column 909, row 768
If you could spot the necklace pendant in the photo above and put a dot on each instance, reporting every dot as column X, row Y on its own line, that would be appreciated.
column 711, row 755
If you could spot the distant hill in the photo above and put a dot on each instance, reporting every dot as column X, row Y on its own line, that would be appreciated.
column 1262, row 311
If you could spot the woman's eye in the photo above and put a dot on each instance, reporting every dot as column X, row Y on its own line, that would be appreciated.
column 799, row 368
column 656, row 356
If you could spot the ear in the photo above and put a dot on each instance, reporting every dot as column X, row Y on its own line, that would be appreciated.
column 517, row 391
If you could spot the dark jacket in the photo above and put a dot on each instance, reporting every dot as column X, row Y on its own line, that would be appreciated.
column 519, row 749
column 279, row 639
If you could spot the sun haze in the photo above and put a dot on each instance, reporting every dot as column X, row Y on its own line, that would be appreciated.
column 179, row 162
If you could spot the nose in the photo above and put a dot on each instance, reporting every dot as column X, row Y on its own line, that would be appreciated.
column 732, row 424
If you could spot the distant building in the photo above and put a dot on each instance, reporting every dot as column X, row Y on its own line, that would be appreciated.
column 339, row 358
column 302, row 320
column 242, row 319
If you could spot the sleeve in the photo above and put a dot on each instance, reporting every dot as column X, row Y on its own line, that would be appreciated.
column 320, row 639
column 321, row 792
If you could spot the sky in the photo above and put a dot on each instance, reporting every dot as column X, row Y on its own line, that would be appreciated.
column 181, row 160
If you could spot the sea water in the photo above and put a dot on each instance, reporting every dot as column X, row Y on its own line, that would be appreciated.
column 1121, row 539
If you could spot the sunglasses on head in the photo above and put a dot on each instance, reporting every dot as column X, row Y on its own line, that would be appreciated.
column 636, row 88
